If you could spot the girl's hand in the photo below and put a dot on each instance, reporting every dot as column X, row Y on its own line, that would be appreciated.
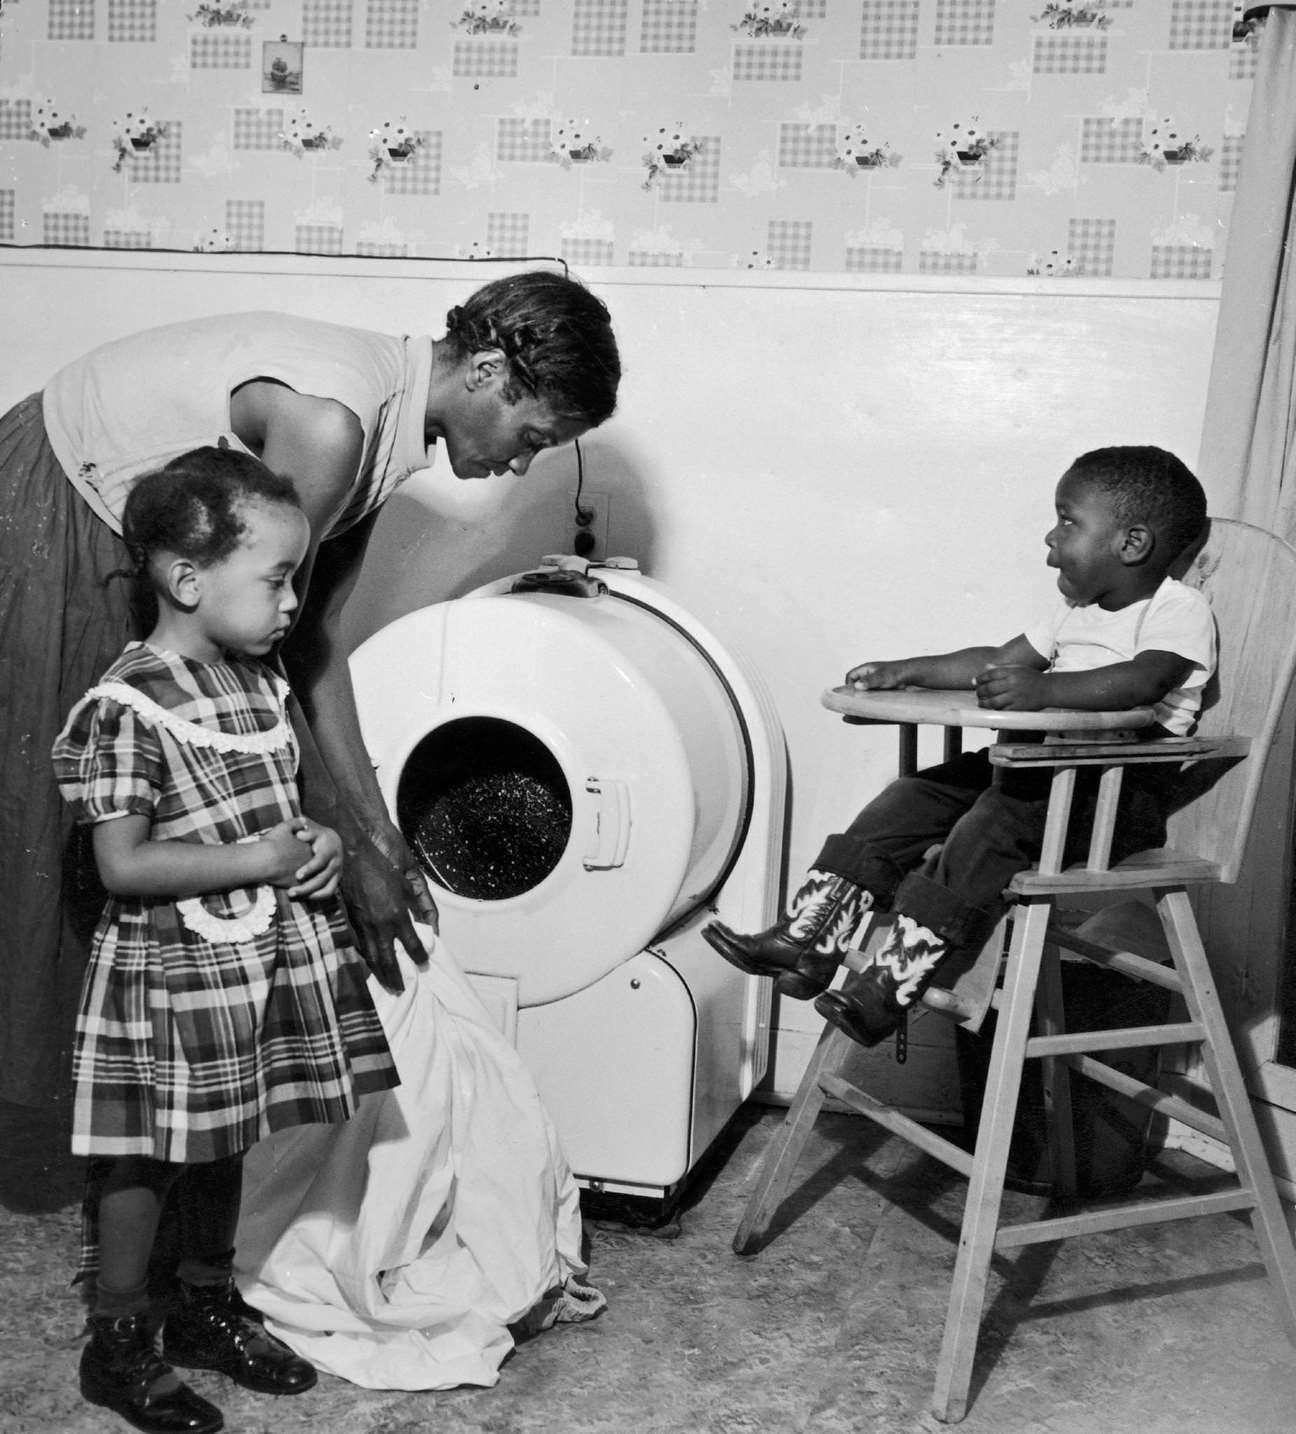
column 1011, row 688
column 286, row 849
column 321, row 876
column 877, row 676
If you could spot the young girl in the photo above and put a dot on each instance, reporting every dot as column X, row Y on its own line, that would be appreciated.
column 224, row 999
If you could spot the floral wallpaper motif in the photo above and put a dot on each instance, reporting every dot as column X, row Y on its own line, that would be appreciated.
column 978, row 137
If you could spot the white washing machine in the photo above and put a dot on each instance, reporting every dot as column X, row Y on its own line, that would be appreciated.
column 587, row 775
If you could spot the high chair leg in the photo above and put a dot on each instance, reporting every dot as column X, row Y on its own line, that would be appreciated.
column 776, row 1169
column 994, row 1135
column 1229, row 1088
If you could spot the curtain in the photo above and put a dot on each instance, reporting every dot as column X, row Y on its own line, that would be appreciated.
column 1248, row 453
column 1247, row 465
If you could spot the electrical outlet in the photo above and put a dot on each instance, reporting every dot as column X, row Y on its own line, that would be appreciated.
column 596, row 505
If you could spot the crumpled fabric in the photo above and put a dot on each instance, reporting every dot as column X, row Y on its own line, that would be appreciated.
column 406, row 1248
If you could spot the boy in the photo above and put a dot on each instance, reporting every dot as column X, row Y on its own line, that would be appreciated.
column 1125, row 634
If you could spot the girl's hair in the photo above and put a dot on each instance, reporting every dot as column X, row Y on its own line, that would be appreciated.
column 556, row 336
column 196, row 506
column 1151, row 485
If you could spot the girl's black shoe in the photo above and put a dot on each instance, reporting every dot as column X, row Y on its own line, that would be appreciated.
column 213, row 1327
column 122, row 1370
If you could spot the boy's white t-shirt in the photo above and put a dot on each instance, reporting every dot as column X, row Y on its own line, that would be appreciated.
column 1174, row 619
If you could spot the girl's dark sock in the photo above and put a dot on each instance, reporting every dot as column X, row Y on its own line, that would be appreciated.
column 207, row 1199
column 112, row 1303
column 130, row 1203
column 206, row 1269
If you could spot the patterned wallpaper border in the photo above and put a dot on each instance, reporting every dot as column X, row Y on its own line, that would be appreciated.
column 971, row 138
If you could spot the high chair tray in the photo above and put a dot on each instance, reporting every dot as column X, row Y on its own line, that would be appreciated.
column 957, row 708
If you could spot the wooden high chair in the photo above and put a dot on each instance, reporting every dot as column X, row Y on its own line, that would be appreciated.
column 1250, row 578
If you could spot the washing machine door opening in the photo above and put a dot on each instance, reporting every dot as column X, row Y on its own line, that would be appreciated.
column 485, row 808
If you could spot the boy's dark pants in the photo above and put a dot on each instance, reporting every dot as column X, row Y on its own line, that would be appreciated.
column 989, row 822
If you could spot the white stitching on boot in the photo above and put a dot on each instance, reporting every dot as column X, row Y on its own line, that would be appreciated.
column 911, row 953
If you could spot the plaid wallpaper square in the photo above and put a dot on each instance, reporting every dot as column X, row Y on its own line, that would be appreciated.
column 485, row 57
column 1200, row 25
column 1181, row 261
column 1092, row 244
column 599, row 27
column 588, row 253
column 699, row 181
column 258, row 129
column 245, row 223
column 1070, row 55
column 392, row 24
column 220, row 50
column 318, row 239
column 126, row 239
column 769, row 60
column 63, row 229
column 15, row 119
column 869, row 259
column 327, row 23
column 421, row 172
column 132, row 22
column 655, row 259
column 1110, row 141
column 508, row 234
column 935, row 261
column 888, row 30
column 161, row 163
column 668, row 27
column 803, row 146
column 1230, row 161
column 71, row 20
column 788, row 242
column 996, row 176
column 523, row 140
column 964, row 22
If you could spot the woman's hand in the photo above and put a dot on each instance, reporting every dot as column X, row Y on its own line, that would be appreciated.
column 380, row 891
column 390, row 840
column 1011, row 688
column 321, row 876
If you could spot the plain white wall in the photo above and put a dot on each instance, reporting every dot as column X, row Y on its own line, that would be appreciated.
column 824, row 471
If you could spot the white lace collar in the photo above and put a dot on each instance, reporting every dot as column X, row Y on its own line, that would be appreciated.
column 194, row 733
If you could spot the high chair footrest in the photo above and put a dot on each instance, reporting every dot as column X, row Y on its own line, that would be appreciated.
column 891, row 1119
column 1160, row 1101
column 1125, row 1038
column 1123, row 1217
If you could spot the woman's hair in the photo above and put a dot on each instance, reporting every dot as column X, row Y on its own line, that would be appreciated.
column 1150, row 485
column 556, row 336
column 196, row 506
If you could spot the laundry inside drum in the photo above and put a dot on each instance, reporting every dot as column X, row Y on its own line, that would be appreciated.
column 485, row 808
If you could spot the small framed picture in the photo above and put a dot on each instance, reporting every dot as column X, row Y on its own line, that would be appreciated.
column 281, row 67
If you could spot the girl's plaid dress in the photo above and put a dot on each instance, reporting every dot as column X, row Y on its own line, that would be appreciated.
column 209, row 1022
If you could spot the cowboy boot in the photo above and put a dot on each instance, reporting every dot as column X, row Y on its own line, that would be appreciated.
column 122, row 1370
column 213, row 1327
column 878, row 1000
column 805, row 946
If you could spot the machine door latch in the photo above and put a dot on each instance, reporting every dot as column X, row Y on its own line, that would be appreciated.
column 563, row 575
column 611, row 837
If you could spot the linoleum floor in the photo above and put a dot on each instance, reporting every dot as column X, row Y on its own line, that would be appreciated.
column 834, row 1327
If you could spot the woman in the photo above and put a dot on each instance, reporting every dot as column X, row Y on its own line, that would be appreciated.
column 527, row 362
